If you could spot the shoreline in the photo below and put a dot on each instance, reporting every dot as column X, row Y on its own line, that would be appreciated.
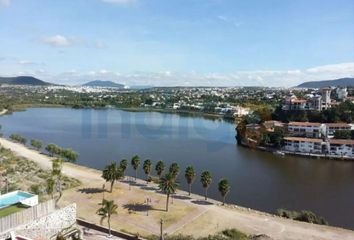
column 24, row 107
column 88, row 175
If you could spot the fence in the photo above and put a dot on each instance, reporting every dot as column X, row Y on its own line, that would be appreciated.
column 14, row 220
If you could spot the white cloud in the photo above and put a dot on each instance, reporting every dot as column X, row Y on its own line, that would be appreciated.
column 25, row 62
column 230, row 21
column 5, row 2
column 271, row 78
column 333, row 68
column 120, row 2
column 100, row 44
column 59, row 41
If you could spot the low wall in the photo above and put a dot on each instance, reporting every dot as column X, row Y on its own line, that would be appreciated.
column 31, row 202
column 14, row 220
column 105, row 230
column 49, row 225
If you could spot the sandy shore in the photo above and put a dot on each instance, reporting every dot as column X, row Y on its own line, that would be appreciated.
column 4, row 111
column 211, row 218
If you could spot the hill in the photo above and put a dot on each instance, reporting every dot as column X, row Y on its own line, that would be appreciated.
column 342, row 82
column 23, row 80
column 100, row 83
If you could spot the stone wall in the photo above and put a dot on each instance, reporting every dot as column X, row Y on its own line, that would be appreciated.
column 50, row 225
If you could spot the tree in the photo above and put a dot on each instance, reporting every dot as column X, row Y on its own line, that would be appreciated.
column 343, row 134
column 168, row 186
column 206, row 179
column 107, row 209
column 136, row 163
column 174, row 170
column 224, row 189
column 53, row 149
column 18, row 138
column 160, row 167
column 36, row 144
column 123, row 165
column 50, row 186
column 147, row 168
column 190, row 175
column 69, row 154
column 111, row 173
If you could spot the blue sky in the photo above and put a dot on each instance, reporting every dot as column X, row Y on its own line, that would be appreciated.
column 178, row 42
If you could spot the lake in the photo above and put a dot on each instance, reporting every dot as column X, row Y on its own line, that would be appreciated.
column 259, row 180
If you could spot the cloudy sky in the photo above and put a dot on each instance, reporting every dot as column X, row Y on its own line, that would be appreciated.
column 178, row 42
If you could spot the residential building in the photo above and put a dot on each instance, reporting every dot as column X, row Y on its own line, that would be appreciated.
column 272, row 124
column 304, row 145
column 331, row 128
column 326, row 98
column 342, row 93
column 341, row 147
column 306, row 129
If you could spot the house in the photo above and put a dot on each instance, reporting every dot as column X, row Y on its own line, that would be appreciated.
column 306, row 129
column 304, row 145
column 272, row 124
column 341, row 147
column 331, row 128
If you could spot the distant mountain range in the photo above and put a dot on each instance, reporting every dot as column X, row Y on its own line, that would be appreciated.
column 23, row 80
column 100, row 83
column 342, row 82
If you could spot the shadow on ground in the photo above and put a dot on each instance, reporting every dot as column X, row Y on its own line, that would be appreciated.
column 91, row 190
column 202, row 202
column 148, row 188
column 181, row 197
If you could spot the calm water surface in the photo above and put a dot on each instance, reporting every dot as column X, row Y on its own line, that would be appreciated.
column 259, row 180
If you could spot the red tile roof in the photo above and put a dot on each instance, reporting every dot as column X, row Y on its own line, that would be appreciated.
column 341, row 141
column 301, row 139
column 338, row 125
column 306, row 124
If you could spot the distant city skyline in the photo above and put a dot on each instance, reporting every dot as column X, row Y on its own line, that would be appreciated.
column 184, row 43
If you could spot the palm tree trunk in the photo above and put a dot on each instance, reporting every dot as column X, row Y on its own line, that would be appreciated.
column 112, row 185
column 168, row 199
column 190, row 189
column 223, row 200
column 136, row 174
column 109, row 226
column 206, row 194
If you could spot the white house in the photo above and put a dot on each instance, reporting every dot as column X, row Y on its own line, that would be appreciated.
column 331, row 128
column 306, row 129
column 304, row 145
column 341, row 147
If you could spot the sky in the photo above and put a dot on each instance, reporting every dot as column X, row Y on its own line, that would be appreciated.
column 178, row 42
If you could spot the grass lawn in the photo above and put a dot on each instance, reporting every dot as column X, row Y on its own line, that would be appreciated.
column 12, row 209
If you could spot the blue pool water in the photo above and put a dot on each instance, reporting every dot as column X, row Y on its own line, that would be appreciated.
column 12, row 198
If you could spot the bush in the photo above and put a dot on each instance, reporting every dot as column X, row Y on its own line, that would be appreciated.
column 303, row 216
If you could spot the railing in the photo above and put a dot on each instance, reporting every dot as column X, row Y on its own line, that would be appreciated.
column 14, row 220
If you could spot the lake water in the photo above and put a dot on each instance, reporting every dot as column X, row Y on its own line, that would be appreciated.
column 259, row 180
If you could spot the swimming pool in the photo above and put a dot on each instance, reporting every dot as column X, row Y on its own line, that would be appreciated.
column 11, row 198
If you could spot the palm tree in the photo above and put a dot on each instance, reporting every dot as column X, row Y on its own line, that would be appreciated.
column 123, row 165
column 135, row 163
column 190, row 175
column 50, row 186
column 224, row 189
column 174, row 170
column 111, row 173
column 147, row 168
column 168, row 185
column 107, row 209
column 160, row 167
column 205, row 179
